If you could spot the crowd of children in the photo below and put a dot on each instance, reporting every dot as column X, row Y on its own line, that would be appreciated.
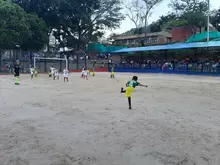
column 54, row 73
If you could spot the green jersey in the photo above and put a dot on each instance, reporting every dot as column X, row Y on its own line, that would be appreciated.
column 133, row 83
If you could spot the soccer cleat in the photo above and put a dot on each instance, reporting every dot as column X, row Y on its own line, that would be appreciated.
column 122, row 89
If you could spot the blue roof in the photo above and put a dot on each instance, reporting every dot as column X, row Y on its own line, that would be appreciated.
column 171, row 47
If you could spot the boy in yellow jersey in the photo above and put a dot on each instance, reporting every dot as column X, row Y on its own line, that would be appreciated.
column 35, row 72
column 93, row 72
column 112, row 73
column 88, row 71
column 130, row 89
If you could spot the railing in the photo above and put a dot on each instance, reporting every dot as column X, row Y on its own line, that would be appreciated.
column 191, row 68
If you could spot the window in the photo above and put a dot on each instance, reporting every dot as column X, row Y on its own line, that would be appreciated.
column 154, row 40
column 150, row 40
column 124, row 41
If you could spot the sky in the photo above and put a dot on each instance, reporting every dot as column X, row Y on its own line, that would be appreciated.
column 159, row 10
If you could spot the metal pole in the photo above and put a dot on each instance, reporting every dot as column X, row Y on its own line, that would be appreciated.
column 85, row 56
column 66, row 62
column 208, row 20
column 34, row 62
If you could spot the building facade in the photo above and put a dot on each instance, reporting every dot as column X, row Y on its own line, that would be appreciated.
column 183, row 33
column 177, row 34
column 147, row 39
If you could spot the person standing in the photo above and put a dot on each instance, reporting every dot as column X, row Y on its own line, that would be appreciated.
column 17, row 68
column 85, row 74
column 66, row 75
column 112, row 73
column 32, row 72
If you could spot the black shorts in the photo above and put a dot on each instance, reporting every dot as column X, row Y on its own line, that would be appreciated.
column 16, row 74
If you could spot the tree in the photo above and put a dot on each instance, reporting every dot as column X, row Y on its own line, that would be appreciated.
column 19, row 29
column 38, row 34
column 148, row 6
column 77, row 22
column 133, row 10
column 215, row 19
column 89, row 21
column 138, row 11
column 163, row 23
column 14, row 28
column 190, row 12
column 107, row 16
column 48, row 10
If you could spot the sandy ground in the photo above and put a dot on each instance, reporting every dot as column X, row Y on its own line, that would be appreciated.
column 176, row 121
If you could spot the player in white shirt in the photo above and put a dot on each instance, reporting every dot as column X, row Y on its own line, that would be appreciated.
column 32, row 72
column 82, row 73
column 66, row 75
column 57, row 74
column 53, row 72
column 85, row 74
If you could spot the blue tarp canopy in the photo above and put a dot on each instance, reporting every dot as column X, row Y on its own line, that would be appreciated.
column 171, row 47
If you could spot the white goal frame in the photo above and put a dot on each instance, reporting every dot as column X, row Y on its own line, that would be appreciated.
column 58, row 59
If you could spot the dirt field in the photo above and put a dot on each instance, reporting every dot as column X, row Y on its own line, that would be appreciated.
column 176, row 121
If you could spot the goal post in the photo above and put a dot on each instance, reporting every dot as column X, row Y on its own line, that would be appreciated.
column 56, row 59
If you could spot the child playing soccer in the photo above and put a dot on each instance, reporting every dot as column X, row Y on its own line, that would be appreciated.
column 93, row 72
column 82, row 73
column 53, row 69
column 88, row 71
column 57, row 74
column 32, row 72
column 35, row 72
column 50, row 72
column 66, row 75
column 130, row 89
column 112, row 73
column 17, row 68
column 85, row 74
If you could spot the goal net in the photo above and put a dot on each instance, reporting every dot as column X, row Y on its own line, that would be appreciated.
column 44, row 64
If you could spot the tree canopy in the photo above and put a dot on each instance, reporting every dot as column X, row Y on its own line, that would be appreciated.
column 215, row 19
column 28, row 23
column 76, row 22
column 38, row 34
column 19, row 29
column 13, row 27
column 139, row 11
column 191, row 13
